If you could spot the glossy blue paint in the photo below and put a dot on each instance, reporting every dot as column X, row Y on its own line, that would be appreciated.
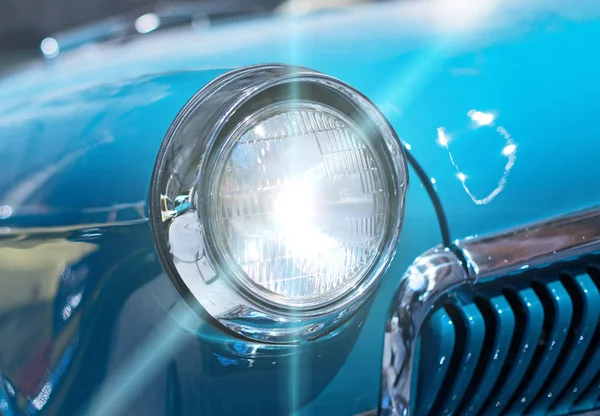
column 7, row 397
column 579, row 384
column 590, row 316
column 563, row 312
column 504, row 319
column 589, row 399
column 532, row 330
column 475, row 334
column 78, row 140
column 438, row 339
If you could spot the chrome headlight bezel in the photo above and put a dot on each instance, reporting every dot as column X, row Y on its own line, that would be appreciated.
column 178, row 214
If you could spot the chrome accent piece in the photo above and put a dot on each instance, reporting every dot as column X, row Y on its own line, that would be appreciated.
column 440, row 270
column 430, row 276
column 534, row 245
column 182, row 177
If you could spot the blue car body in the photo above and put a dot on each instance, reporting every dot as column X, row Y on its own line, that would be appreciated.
column 497, row 104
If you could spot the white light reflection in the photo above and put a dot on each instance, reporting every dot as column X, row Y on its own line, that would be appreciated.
column 509, row 150
column 50, row 48
column 251, row 252
column 6, row 211
column 443, row 138
column 480, row 118
column 407, row 146
column 40, row 400
column 147, row 23
column 433, row 181
column 259, row 131
column 66, row 314
column 416, row 282
column 73, row 302
column 75, row 299
column 295, row 215
column 10, row 388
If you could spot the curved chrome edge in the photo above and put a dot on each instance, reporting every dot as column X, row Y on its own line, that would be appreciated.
column 534, row 245
column 179, row 226
column 430, row 276
column 440, row 270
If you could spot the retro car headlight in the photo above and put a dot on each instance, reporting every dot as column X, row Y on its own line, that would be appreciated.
column 277, row 201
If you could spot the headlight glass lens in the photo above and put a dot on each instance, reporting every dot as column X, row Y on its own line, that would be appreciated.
column 298, row 204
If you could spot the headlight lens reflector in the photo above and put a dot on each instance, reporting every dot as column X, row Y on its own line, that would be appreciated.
column 298, row 204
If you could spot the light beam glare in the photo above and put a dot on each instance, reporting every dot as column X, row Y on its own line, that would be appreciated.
column 130, row 378
column 284, row 209
column 405, row 83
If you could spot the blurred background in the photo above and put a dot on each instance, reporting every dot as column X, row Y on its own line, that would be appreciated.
column 24, row 24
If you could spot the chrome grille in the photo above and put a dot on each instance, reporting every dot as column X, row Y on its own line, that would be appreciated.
column 525, row 344
column 480, row 320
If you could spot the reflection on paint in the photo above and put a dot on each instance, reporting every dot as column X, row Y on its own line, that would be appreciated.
column 50, row 48
column 54, row 377
column 147, row 23
column 73, row 302
column 10, row 388
column 117, row 391
column 40, row 400
column 480, row 119
column 5, row 212
column 443, row 138
column 509, row 149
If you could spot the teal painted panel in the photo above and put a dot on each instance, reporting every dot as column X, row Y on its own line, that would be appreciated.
column 531, row 335
column 590, row 399
column 438, row 339
column 505, row 326
column 563, row 313
column 585, row 330
column 583, row 381
column 475, row 334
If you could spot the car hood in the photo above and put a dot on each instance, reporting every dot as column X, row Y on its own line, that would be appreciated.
column 496, row 100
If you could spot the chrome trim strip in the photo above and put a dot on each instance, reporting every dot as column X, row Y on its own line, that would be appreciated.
column 431, row 275
column 440, row 270
column 553, row 240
